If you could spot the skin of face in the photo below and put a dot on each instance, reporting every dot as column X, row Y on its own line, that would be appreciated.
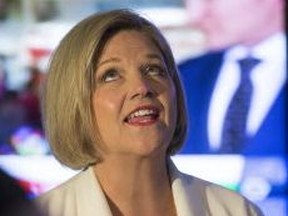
column 226, row 22
column 134, row 98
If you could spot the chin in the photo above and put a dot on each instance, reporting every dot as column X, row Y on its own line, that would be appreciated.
column 150, row 148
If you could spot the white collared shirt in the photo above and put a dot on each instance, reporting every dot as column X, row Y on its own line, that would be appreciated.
column 268, row 78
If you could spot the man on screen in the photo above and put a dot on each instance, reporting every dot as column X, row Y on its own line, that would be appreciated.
column 235, row 92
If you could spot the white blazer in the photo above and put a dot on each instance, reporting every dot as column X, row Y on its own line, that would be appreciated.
column 83, row 196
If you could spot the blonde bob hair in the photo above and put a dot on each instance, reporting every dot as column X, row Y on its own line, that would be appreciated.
column 68, row 115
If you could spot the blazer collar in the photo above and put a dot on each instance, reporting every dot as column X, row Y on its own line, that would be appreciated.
column 187, row 193
column 91, row 197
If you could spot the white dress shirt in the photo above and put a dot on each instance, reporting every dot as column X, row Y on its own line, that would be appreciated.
column 268, row 78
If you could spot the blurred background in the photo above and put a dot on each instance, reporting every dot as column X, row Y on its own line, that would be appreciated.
column 29, row 32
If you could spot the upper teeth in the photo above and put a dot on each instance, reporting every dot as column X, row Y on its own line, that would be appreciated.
column 141, row 113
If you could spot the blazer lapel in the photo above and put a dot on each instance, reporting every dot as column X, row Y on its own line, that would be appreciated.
column 91, row 200
column 187, row 196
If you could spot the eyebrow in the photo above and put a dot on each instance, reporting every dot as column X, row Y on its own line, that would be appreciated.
column 108, row 61
column 155, row 56
column 115, row 59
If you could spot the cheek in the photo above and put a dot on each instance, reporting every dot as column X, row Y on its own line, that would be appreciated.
column 107, row 106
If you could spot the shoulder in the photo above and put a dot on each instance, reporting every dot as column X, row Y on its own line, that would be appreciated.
column 67, row 187
column 205, row 198
column 81, row 195
column 201, row 61
column 57, row 199
column 220, row 200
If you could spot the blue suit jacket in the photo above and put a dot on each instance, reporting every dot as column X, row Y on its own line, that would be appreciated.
column 199, row 77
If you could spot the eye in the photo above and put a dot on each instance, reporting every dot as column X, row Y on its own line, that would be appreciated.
column 154, row 70
column 110, row 76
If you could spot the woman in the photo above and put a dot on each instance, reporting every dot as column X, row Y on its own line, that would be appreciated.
column 114, row 107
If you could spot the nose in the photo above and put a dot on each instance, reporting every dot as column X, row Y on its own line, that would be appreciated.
column 140, row 87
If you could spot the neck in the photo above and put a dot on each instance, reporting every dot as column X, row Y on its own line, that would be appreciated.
column 134, row 185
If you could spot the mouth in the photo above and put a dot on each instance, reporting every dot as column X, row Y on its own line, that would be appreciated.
column 143, row 116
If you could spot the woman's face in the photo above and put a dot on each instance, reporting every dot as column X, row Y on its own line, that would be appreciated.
column 134, row 100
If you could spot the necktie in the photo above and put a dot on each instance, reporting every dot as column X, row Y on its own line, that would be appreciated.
column 234, row 127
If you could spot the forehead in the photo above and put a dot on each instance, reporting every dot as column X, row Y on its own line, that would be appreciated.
column 128, row 41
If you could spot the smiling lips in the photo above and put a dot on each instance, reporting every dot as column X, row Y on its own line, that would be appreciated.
column 143, row 116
